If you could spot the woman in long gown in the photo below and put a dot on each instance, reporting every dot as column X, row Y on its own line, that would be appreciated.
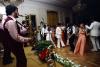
column 63, row 33
column 81, row 42
column 53, row 36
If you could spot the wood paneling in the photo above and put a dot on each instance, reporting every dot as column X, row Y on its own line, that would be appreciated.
column 52, row 18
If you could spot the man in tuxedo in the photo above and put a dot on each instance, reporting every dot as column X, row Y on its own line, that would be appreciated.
column 94, row 34
column 72, row 37
column 43, row 32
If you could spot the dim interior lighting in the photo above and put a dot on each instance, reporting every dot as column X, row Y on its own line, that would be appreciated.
column 79, row 6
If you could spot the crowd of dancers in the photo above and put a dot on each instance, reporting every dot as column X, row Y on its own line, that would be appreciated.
column 76, row 36
column 12, row 37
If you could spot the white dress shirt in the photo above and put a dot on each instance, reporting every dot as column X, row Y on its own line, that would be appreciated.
column 58, row 32
column 12, row 29
column 63, row 27
column 48, row 36
column 43, row 31
column 73, row 30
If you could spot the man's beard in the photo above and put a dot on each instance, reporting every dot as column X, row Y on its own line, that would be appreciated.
column 16, row 15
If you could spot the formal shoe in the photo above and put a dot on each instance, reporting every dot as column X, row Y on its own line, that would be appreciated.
column 72, row 50
column 7, row 62
column 25, row 45
column 58, row 47
column 94, row 50
column 99, row 48
column 63, row 46
column 11, row 58
column 2, row 50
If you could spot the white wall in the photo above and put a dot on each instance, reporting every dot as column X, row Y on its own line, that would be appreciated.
column 40, row 10
column 2, row 10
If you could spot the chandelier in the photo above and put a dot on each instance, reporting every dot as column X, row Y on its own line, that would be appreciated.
column 13, row 2
column 79, row 6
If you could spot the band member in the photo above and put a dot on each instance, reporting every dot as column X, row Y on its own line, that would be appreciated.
column 13, row 39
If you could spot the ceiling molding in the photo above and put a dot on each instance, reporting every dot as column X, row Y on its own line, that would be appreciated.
column 58, row 3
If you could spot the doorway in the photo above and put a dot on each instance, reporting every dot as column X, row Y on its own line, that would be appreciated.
column 33, row 20
column 52, row 18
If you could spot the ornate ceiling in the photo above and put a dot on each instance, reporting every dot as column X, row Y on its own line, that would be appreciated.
column 62, row 3
column 59, row 3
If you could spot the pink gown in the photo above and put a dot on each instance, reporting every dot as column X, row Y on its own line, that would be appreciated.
column 81, row 42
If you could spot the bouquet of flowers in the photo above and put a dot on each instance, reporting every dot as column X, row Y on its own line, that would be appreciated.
column 43, row 54
column 43, row 49
column 65, row 61
column 46, row 53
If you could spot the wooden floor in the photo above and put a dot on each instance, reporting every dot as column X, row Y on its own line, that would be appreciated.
column 91, row 59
